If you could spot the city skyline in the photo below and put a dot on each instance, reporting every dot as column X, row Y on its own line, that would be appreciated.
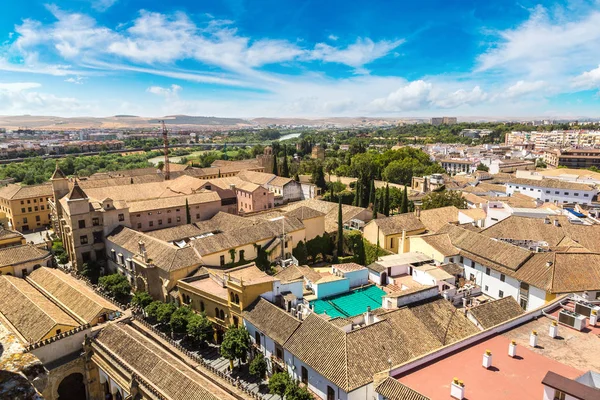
column 263, row 58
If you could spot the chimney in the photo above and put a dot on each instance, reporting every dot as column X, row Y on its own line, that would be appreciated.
column 556, row 223
column 487, row 359
column 418, row 211
column 548, row 264
column 553, row 331
column 512, row 349
column 232, row 186
column 457, row 389
column 368, row 316
column 547, row 220
column 142, row 247
column 533, row 339
column 402, row 242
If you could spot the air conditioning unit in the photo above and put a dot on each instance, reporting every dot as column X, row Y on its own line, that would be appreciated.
column 572, row 319
column 584, row 308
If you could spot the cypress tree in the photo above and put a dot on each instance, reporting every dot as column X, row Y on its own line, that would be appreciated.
column 188, row 215
column 386, row 201
column 275, row 169
column 285, row 169
column 340, row 238
column 404, row 204
column 375, row 208
column 372, row 194
column 356, row 201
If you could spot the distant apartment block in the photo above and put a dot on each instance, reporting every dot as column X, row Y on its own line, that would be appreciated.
column 573, row 158
column 456, row 166
column 443, row 121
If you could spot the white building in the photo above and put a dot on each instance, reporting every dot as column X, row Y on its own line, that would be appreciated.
column 552, row 190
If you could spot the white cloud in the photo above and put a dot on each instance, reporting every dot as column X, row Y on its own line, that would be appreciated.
column 169, row 93
column 460, row 98
column 358, row 54
column 332, row 37
column 524, row 88
column 588, row 80
column 77, row 80
column 413, row 96
column 103, row 5
column 549, row 44
column 19, row 98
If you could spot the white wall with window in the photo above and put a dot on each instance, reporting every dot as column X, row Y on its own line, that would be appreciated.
column 551, row 195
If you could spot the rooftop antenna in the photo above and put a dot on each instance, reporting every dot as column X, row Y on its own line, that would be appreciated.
column 166, row 169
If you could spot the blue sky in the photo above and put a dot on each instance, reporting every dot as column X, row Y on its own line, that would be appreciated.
column 305, row 58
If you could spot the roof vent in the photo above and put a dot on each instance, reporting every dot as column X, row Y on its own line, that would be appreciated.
column 548, row 264
column 556, row 223
column 547, row 220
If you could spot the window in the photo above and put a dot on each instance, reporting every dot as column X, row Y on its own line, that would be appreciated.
column 472, row 264
column 222, row 260
column 278, row 351
column 121, row 217
column 236, row 321
column 22, row 202
column 97, row 237
column 28, row 201
column 177, row 209
column 160, row 222
column 169, row 220
column 237, row 299
column 547, row 192
column 25, row 220
column 201, row 306
column 139, row 225
column 586, row 195
column 216, row 312
column 83, row 239
column 35, row 208
column 178, row 219
column 391, row 242
column 330, row 393
column 487, row 271
column 486, row 288
column 502, row 277
column 168, row 211
column 304, row 375
column 222, row 315
column 500, row 293
column 575, row 194
column 231, row 298
column 37, row 218
column 151, row 223
column 558, row 395
column 22, row 210
column 85, row 256
column 29, row 209
column 81, row 223
column 35, row 200
column 197, row 216
column 556, row 192
column 257, row 338
column 95, row 221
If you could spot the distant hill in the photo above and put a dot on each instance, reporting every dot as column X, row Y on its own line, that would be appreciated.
column 191, row 120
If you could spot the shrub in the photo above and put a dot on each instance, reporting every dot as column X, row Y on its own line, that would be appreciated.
column 141, row 299
column 258, row 366
column 116, row 285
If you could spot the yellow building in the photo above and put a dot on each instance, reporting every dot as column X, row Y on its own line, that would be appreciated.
column 26, row 207
column 10, row 238
column 30, row 314
column 223, row 294
column 391, row 232
column 21, row 260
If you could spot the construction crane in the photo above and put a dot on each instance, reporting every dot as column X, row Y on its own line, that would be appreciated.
column 166, row 169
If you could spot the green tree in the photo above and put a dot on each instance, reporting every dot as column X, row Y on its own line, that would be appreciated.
column 386, row 201
column 482, row 167
column 295, row 392
column 258, row 366
column 375, row 208
column 188, row 215
column 340, row 233
column 279, row 383
column 540, row 163
column 236, row 343
column 285, row 169
column 199, row 328
column 116, row 285
column 180, row 318
column 443, row 199
column 404, row 204
column 90, row 270
column 301, row 253
column 262, row 260
column 164, row 312
column 372, row 194
column 141, row 299
column 356, row 201
column 152, row 309
column 275, row 168
column 318, row 178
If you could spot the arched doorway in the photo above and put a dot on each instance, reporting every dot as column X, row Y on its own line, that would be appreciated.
column 140, row 284
column 72, row 388
column 383, row 279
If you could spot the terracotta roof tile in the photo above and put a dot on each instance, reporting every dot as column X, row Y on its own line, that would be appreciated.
column 496, row 312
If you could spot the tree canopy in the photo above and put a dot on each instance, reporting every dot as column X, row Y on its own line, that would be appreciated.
column 443, row 199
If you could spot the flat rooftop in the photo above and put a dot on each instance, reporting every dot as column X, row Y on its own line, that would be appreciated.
column 350, row 304
column 209, row 285
column 508, row 378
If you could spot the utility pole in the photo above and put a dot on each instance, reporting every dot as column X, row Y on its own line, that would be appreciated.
column 166, row 169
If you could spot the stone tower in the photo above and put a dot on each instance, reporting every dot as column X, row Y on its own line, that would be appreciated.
column 266, row 159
